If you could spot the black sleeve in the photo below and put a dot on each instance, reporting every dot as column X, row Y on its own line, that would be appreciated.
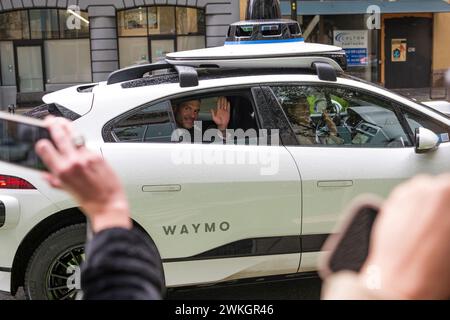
column 121, row 264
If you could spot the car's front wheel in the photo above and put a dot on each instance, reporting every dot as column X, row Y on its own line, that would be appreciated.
column 53, row 272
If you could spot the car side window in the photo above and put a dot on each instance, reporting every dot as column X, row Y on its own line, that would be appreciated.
column 152, row 123
column 216, row 117
column 340, row 117
column 415, row 121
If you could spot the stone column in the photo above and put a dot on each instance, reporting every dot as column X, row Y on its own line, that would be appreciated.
column 104, row 43
column 219, row 15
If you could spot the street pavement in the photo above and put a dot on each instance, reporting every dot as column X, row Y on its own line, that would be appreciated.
column 303, row 289
column 19, row 296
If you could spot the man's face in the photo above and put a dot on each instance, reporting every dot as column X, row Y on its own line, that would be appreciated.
column 186, row 113
column 301, row 112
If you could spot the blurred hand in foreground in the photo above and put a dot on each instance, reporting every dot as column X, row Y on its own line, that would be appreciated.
column 85, row 175
column 410, row 244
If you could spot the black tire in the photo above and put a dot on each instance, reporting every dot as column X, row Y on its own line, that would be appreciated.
column 50, row 273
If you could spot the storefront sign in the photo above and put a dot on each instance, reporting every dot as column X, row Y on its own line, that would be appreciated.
column 355, row 43
column 398, row 50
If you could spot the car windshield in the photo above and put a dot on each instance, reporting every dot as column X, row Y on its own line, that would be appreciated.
column 347, row 76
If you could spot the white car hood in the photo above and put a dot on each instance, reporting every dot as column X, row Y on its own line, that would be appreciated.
column 72, row 98
column 441, row 106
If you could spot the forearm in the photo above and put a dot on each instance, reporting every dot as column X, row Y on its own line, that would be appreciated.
column 121, row 264
column 108, row 214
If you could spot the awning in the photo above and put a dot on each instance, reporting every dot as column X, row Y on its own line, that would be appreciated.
column 360, row 7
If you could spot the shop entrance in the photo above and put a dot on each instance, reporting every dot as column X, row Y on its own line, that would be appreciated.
column 408, row 43
column 30, row 67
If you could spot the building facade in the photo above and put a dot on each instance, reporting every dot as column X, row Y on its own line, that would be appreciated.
column 397, row 43
column 46, row 45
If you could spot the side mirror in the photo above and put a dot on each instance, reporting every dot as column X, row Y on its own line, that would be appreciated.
column 426, row 140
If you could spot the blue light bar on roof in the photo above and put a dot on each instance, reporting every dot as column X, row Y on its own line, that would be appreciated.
column 263, row 41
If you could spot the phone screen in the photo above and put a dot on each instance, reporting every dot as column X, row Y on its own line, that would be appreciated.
column 352, row 249
column 17, row 141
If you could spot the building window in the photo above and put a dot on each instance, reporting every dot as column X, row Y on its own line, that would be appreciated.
column 133, row 50
column 149, row 33
column 14, row 25
column 190, row 42
column 189, row 21
column 132, row 22
column 57, row 68
column 59, row 36
column 44, row 24
column 161, row 20
column 80, row 29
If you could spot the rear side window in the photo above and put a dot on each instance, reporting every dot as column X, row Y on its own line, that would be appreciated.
column 193, row 114
column 54, row 109
column 150, row 124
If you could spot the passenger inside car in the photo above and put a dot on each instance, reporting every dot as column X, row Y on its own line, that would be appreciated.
column 187, row 112
column 186, row 115
column 217, row 112
column 306, row 130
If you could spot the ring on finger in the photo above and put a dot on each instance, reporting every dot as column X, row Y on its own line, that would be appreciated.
column 78, row 141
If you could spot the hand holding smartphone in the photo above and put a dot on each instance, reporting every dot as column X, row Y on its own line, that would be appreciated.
column 348, row 247
column 18, row 137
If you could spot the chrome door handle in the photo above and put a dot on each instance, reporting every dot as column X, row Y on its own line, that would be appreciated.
column 335, row 184
column 161, row 188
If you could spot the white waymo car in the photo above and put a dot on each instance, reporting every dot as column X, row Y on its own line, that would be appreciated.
column 256, row 206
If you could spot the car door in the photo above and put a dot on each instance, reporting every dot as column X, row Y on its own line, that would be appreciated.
column 215, row 211
column 368, row 148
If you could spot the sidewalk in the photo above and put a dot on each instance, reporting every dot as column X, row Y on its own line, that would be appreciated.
column 423, row 94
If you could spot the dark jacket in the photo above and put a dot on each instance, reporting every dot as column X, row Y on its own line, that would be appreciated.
column 121, row 264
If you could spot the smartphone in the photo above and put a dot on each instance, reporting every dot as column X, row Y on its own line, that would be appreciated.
column 348, row 247
column 18, row 137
